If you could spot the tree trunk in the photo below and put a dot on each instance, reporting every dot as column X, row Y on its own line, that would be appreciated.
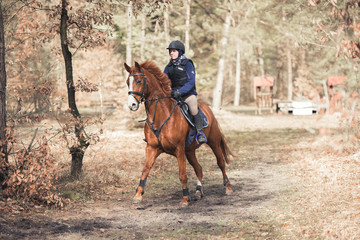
column 187, row 27
column 129, row 35
column 289, row 65
column 280, row 82
column 77, row 152
column 261, row 61
column 166, row 23
column 237, row 75
column 217, row 94
column 101, row 97
column 3, row 138
column 143, row 37
column 157, row 27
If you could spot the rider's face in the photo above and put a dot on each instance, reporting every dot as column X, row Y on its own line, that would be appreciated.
column 174, row 54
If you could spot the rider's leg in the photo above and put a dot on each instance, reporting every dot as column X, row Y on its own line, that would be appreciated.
column 193, row 105
column 192, row 102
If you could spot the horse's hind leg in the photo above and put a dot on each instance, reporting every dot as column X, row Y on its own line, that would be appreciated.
column 216, row 148
column 191, row 157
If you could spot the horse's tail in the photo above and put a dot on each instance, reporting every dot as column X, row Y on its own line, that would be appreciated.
column 225, row 149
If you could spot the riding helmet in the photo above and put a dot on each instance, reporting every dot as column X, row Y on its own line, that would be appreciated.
column 177, row 45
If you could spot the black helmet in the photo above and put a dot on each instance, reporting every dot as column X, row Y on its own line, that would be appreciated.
column 177, row 45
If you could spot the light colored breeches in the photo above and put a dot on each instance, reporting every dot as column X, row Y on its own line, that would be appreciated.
column 192, row 102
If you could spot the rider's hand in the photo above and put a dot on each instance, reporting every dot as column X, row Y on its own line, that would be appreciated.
column 176, row 94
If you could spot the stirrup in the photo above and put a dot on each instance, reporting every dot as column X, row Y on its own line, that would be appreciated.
column 197, row 138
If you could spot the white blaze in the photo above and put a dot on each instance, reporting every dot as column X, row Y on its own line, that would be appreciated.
column 132, row 103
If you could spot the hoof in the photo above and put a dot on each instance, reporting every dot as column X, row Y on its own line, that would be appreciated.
column 229, row 191
column 184, row 203
column 198, row 195
column 137, row 200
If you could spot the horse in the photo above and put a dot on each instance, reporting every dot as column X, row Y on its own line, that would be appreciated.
column 166, row 129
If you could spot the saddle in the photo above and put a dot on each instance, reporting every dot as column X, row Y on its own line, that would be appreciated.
column 185, row 110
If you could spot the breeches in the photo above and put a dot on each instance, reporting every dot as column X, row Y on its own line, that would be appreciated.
column 192, row 102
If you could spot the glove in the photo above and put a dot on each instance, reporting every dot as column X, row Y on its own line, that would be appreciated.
column 176, row 94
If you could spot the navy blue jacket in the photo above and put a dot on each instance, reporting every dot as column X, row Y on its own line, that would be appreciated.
column 185, row 86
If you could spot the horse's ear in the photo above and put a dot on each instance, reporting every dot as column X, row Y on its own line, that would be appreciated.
column 127, row 68
column 137, row 65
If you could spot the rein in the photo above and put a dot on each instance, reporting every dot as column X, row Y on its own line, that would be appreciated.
column 151, row 123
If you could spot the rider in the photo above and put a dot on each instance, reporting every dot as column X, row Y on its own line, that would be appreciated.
column 181, row 72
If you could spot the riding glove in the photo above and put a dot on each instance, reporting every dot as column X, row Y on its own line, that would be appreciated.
column 176, row 94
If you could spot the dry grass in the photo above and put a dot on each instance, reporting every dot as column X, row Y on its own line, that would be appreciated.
column 325, row 203
column 115, row 159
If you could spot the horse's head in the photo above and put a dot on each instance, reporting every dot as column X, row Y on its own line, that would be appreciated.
column 137, row 86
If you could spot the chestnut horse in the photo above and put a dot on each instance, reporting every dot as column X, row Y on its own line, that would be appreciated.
column 166, row 128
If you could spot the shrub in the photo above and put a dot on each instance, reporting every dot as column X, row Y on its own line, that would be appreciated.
column 31, row 178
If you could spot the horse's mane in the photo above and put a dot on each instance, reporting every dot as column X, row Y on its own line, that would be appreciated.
column 163, row 79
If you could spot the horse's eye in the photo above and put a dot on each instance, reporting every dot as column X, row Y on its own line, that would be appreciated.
column 138, row 82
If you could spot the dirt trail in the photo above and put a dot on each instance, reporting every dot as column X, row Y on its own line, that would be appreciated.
column 259, row 175
column 160, row 215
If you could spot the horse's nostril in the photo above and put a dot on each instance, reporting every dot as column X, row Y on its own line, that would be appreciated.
column 134, row 106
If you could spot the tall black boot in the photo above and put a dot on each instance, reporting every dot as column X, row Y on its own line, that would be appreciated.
column 200, row 136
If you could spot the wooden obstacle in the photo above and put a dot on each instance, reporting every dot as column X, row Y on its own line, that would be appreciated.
column 335, row 95
column 263, row 93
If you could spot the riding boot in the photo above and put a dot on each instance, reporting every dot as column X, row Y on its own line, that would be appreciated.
column 200, row 136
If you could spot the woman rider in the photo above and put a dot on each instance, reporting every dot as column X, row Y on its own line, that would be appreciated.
column 181, row 72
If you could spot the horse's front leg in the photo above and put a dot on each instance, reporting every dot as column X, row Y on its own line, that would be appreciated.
column 151, row 155
column 183, row 177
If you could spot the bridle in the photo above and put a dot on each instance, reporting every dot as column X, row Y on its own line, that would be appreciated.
column 142, row 96
column 142, row 93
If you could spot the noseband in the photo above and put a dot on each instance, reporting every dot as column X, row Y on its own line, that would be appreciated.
column 142, row 93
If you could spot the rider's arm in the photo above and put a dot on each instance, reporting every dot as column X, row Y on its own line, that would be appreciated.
column 166, row 70
column 190, row 84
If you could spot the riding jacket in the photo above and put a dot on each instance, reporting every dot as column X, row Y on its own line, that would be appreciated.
column 182, row 76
